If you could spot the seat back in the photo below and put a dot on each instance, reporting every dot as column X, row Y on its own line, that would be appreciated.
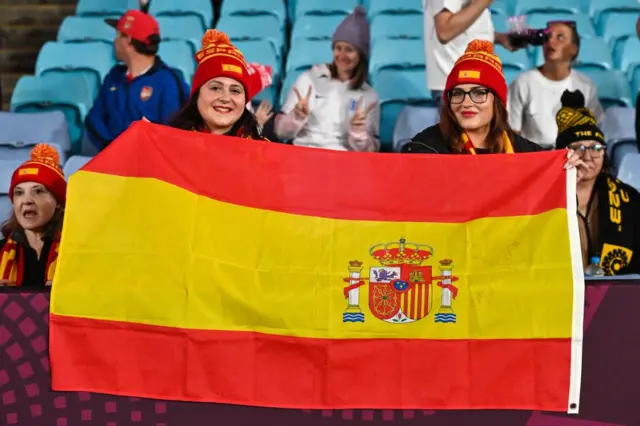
column 92, row 61
column 178, row 54
column 82, row 29
column 181, row 28
column 203, row 9
column 306, row 53
column 318, row 27
column 67, row 93
column 408, row 27
column 629, row 170
column 17, row 129
column 255, row 7
column 385, row 7
column 105, row 8
column 324, row 7
column 390, row 53
column 258, row 27
column 525, row 7
column 613, row 87
column 412, row 120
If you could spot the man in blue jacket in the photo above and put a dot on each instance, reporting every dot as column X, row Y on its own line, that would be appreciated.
column 143, row 87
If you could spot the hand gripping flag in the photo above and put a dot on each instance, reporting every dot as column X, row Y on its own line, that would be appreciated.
column 206, row 268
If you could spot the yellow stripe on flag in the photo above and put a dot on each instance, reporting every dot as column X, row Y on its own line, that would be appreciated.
column 245, row 269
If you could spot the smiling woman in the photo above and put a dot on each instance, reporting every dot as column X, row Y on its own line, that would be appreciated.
column 474, row 116
column 332, row 106
column 31, row 236
column 222, row 86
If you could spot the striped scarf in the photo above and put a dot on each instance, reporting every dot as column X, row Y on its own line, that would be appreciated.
column 12, row 262
column 470, row 149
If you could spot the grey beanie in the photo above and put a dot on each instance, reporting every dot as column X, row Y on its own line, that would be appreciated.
column 354, row 29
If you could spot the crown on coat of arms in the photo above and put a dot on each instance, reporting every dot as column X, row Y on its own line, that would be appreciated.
column 401, row 252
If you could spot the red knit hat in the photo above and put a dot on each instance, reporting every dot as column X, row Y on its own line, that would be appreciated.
column 43, row 168
column 479, row 65
column 219, row 58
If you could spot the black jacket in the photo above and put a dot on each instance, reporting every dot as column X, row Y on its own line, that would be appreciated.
column 432, row 141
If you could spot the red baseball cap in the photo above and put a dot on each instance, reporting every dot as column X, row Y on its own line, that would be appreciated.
column 137, row 25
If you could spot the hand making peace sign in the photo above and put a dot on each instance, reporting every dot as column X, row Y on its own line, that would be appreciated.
column 359, row 120
column 302, row 107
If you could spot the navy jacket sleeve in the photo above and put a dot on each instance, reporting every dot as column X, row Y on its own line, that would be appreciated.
column 96, row 122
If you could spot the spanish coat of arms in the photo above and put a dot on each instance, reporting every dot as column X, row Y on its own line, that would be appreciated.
column 401, row 285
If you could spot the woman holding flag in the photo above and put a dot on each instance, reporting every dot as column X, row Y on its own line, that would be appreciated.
column 474, row 116
column 222, row 86
column 31, row 236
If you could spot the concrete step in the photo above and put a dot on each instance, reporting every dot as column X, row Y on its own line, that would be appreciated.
column 46, row 15
column 28, row 36
column 18, row 60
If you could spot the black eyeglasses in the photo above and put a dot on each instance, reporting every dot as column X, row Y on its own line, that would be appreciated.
column 478, row 95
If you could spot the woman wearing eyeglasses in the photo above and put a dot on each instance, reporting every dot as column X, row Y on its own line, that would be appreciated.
column 608, row 209
column 474, row 116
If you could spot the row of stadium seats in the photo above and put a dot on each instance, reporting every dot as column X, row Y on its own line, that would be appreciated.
column 259, row 29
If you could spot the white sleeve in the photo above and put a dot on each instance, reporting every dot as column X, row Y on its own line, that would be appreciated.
column 516, row 100
column 303, row 83
column 453, row 6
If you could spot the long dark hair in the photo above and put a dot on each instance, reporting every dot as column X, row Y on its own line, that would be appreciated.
column 51, row 230
column 359, row 75
column 499, row 124
column 189, row 118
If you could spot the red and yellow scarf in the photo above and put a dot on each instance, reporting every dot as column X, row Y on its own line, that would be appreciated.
column 470, row 149
column 12, row 262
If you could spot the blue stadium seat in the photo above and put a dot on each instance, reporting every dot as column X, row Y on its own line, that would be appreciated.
column 385, row 7
column 390, row 53
column 619, row 129
column 527, row 7
column 583, row 23
column 265, row 27
column 613, row 87
column 23, row 153
column 5, row 207
column 594, row 53
column 74, row 164
column 510, row 74
column 629, row 170
column 630, row 59
column 260, row 51
column 92, row 61
column 306, row 53
column 317, row 27
column 396, row 89
column 288, row 83
column 17, row 129
column 411, row 121
column 203, row 9
column 324, row 7
column 616, row 29
column 255, row 7
column 500, row 7
column 104, row 7
column 500, row 22
column 518, row 60
column 599, row 9
column 179, row 56
column 63, row 92
column 7, row 167
column 397, row 26
column 81, row 29
column 185, row 28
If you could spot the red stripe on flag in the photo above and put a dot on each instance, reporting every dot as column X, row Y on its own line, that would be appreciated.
column 324, row 183
column 270, row 370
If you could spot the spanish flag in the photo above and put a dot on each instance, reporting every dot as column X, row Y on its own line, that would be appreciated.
column 205, row 268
